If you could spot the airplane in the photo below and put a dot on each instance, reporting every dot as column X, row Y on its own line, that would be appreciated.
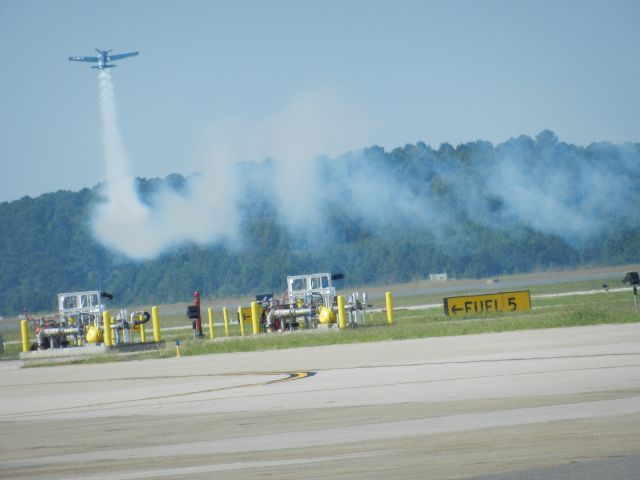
column 104, row 58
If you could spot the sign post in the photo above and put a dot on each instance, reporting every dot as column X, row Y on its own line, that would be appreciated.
column 634, row 279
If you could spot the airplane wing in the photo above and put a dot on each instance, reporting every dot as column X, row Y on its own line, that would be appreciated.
column 118, row 56
column 84, row 59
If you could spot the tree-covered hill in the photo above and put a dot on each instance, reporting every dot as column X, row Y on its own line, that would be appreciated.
column 472, row 211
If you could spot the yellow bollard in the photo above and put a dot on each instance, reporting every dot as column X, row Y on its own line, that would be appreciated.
column 342, row 315
column 255, row 318
column 210, row 311
column 389, row 300
column 177, row 348
column 106, row 325
column 241, row 318
column 155, row 320
column 24, row 330
column 225, row 314
column 143, row 333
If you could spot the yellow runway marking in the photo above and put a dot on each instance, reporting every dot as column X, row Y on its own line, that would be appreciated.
column 290, row 376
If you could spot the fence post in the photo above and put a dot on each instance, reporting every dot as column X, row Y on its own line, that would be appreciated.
column 225, row 314
column 24, row 330
column 255, row 319
column 210, row 311
column 106, row 326
column 241, row 319
column 155, row 320
column 389, row 300
column 342, row 317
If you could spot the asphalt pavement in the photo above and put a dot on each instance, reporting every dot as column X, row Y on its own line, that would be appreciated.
column 557, row 403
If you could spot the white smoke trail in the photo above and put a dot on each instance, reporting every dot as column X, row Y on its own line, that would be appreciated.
column 203, row 214
column 122, row 212
column 117, row 170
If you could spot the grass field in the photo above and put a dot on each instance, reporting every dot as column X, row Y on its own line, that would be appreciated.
column 596, row 307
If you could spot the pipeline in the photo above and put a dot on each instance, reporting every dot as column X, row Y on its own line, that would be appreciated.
column 283, row 313
column 53, row 336
column 121, row 325
column 59, row 330
column 139, row 314
column 354, row 308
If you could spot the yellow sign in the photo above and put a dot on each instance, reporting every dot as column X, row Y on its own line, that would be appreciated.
column 246, row 314
column 488, row 303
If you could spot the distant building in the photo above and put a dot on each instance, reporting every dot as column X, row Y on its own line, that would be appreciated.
column 438, row 277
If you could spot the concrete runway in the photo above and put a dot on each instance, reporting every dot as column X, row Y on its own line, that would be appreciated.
column 557, row 403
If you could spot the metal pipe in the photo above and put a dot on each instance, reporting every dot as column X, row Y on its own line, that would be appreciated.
column 139, row 314
column 291, row 312
column 59, row 330
column 282, row 313
column 348, row 307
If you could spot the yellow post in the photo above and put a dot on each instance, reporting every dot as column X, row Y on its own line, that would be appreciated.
column 24, row 330
column 143, row 333
column 241, row 318
column 255, row 318
column 342, row 315
column 389, row 299
column 106, row 324
column 155, row 320
column 210, row 311
column 225, row 314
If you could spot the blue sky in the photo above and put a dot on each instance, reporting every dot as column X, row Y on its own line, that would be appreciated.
column 403, row 71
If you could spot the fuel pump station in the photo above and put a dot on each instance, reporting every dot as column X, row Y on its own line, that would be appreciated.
column 309, row 302
column 80, row 320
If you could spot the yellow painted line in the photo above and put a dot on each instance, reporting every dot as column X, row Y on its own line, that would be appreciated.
column 290, row 376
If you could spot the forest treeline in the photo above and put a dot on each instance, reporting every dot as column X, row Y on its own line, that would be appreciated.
column 474, row 210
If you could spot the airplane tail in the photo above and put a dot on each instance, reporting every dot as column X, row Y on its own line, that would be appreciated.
column 104, row 66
